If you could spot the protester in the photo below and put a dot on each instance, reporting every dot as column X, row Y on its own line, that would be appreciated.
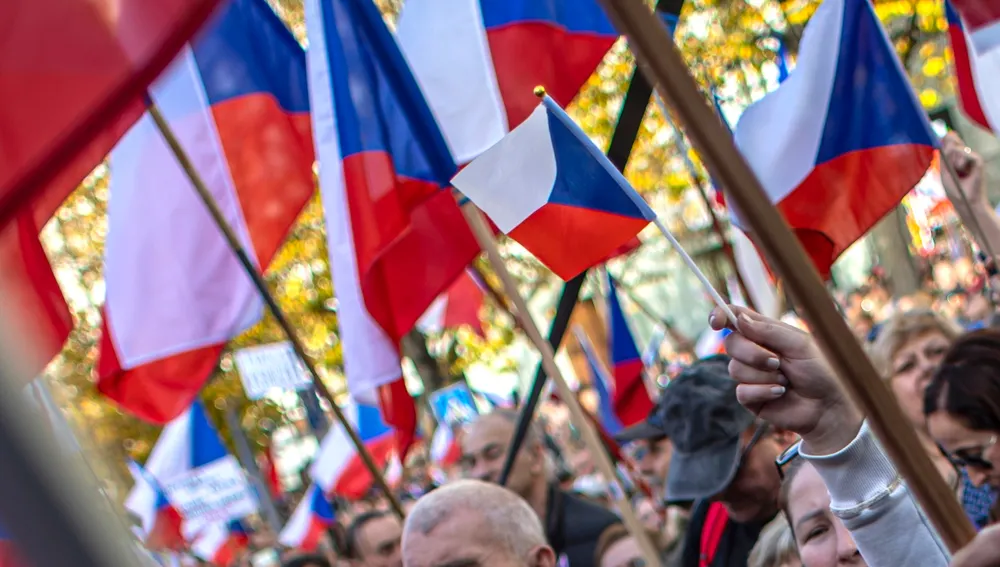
column 471, row 523
column 776, row 546
column 651, row 451
column 962, row 406
column 785, row 381
column 723, row 459
column 572, row 525
column 373, row 540
column 819, row 536
column 907, row 352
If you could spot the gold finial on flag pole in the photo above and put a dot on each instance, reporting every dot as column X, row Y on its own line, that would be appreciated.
column 539, row 91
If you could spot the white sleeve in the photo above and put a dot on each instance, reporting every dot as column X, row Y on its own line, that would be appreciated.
column 869, row 496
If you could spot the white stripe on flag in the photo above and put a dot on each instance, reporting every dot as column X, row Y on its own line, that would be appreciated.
column 370, row 358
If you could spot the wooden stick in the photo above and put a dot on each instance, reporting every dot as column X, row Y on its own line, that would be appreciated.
column 272, row 304
column 485, row 238
column 662, row 63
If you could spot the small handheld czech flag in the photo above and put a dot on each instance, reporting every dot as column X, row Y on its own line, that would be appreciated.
column 547, row 186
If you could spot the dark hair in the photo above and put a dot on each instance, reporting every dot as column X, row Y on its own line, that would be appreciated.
column 967, row 383
column 307, row 561
column 351, row 543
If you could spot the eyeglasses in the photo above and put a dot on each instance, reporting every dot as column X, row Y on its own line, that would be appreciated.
column 972, row 457
column 786, row 457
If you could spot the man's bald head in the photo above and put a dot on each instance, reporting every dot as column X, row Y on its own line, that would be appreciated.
column 470, row 523
column 484, row 446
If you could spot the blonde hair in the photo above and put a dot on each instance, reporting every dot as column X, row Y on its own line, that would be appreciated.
column 775, row 546
column 902, row 328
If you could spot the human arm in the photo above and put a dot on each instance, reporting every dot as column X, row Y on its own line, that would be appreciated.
column 968, row 195
column 784, row 379
column 870, row 498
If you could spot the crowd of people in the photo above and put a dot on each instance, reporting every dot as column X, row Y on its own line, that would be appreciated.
column 754, row 458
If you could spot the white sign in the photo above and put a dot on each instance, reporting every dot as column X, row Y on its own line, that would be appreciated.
column 267, row 367
column 216, row 492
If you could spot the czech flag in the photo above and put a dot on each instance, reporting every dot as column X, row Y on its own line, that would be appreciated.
column 547, row 186
column 187, row 443
column 397, row 238
column 977, row 73
column 457, row 307
column 159, row 521
column 602, row 384
column 309, row 522
column 337, row 468
column 844, row 138
column 72, row 78
column 221, row 543
column 631, row 399
column 478, row 61
column 983, row 20
column 238, row 101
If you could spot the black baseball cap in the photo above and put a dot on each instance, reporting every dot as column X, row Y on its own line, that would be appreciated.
column 700, row 415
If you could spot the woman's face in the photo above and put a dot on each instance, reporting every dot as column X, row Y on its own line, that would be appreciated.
column 976, row 451
column 912, row 368
column 822, row 539
column 623, row 553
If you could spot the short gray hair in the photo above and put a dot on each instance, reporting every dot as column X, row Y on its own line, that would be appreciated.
column 514, row 525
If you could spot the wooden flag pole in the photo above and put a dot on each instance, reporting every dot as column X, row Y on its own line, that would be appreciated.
column 272, row 304
column 486, row 240
column 658, row 57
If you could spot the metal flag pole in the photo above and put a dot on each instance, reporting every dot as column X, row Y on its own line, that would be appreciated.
column 272, row 304
column 659, row 58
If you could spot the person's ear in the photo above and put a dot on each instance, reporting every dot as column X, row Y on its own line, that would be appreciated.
column 541, row 556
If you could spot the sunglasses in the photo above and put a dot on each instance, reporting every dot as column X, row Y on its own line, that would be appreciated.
column 786, row 457
column 971, row 457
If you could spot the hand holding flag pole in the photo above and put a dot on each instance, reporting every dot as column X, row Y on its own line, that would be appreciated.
column 272, row 304
column 658, row 57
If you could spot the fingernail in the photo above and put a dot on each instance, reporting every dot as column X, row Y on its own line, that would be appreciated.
column 746, row 320
column 778, row 390
column 711, row 319
column 773, row 364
